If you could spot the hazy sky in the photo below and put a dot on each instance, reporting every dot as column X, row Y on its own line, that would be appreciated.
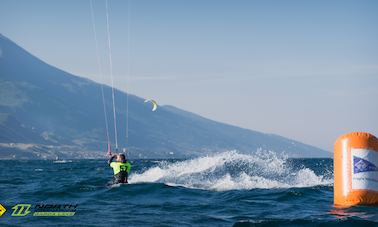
column 306, row 70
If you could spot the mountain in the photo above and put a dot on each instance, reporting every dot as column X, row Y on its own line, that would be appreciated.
column 48, row 113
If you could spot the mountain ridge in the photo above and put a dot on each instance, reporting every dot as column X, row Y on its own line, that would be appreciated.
column 60, row 113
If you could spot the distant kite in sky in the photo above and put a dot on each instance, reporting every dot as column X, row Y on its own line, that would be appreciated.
column 154, row 103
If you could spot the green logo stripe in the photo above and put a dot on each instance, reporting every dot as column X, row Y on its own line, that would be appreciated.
column 54, row 214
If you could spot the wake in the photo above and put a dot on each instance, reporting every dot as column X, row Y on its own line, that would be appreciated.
column 232, row 171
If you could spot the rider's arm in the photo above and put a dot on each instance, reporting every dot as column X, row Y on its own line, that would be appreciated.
column 111, row 159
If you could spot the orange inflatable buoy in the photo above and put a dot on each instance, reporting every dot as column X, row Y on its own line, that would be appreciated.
column 356, row 169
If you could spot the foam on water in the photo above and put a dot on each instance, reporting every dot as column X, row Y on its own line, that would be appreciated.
column 232, row 170
column 62, row 161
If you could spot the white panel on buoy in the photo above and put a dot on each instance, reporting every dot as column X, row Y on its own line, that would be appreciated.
column 364, row 169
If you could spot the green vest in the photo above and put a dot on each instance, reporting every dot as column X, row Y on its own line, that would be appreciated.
column 119, row 166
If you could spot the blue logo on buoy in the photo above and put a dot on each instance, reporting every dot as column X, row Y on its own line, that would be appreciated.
column 362, row 165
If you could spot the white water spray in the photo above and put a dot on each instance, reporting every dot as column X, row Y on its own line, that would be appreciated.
column 232, row 171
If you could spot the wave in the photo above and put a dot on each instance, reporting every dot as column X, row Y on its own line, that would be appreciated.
column 232, row 170
column 62, row 161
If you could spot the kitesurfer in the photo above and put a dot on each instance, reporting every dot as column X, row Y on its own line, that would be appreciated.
column 121, row 168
